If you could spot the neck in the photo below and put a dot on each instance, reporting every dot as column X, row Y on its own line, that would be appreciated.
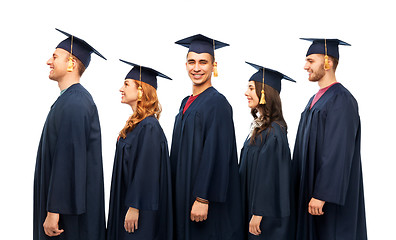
column 198, row 89
column 327, row 80
column 67, row 82
column 134, row 106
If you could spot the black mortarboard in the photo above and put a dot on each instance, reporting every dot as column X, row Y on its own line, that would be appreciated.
column 144, row 74
column 78, row 47
column 201, row 44
column 271, row 77
column 325, row 46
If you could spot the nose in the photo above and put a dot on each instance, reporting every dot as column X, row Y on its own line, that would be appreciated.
column 246, row 93
column 306, row 66
column 49, row 62
column 196, row 67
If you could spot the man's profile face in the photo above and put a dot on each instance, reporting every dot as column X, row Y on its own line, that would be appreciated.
column 58, row 64
column 199, row 67
column 314, row 65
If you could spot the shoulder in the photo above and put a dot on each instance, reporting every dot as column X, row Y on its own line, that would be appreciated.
column 77, row 95
column 342, row 96
column 150, row 125
column 147, row 128
column 273, row 134
column 216, row 99
column 76, row 101
column 149, row 121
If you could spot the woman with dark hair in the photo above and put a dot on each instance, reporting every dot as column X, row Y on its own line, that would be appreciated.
column 265, row 162
column 140, row 198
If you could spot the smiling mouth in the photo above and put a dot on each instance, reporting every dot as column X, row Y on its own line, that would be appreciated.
column 197, row 75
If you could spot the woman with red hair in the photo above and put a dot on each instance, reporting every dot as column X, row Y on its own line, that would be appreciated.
column 140, row 198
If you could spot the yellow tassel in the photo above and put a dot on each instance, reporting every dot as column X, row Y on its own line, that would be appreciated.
column 70, row 65
column 215, row 73
column 326, row 63
column 262, row 99
column 140, row 93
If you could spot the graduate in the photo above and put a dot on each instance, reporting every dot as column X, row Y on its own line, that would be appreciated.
column 141, row 193
column 265, row 164
column 68, row 179
column 206, row 188
column 327, row 169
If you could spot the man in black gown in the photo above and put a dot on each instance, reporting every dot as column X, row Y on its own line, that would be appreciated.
column 326, row 161
column 206, row 188
column 68, row 179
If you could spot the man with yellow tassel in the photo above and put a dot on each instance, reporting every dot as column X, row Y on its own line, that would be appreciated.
column 327, row 169
column 206, row 188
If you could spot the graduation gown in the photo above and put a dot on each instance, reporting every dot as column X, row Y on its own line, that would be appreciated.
column 141, row 179
column 204, row 164
column 327, row 166
column 265, row 171
column 68, row 177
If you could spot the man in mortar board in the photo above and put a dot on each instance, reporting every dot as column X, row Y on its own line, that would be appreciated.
column 205, row 179
column 326, row 161
column 68, row 180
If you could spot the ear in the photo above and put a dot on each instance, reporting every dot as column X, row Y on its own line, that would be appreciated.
column 71, row 64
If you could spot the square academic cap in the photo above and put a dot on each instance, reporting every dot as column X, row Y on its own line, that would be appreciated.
column 144, row 74
column 325, row 46
column 271, row 77
column 201, row 44
column 78, row 47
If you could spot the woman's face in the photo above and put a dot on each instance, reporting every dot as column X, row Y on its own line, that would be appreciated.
column 129, row 92
column 253, row 99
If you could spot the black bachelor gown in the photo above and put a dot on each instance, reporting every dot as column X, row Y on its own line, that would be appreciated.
column 141, row 179
column 68, row 177
column 265, row 171
column 327, row 166
column 204, row 164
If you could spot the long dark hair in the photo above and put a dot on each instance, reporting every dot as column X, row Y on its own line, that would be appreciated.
column 269, row 112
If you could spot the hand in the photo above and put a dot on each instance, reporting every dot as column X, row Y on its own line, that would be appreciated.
column 199, row 211
column 254, row 225
column 131, row 220
column 51, row 225
column 315, row 206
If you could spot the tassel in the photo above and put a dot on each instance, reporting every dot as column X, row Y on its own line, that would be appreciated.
column 140, row 93
column 215, row 73
column 262, row 99
column 70, row 65
column 326, row 63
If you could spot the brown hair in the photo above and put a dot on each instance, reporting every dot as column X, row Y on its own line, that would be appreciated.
column 335, row 62
column 148, row 106
column 80, row 66
column 269, row 112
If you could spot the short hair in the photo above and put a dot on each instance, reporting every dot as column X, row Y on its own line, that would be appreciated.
column 335, row 62
column 80, row 66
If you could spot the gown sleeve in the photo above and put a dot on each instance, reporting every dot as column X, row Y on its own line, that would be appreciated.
column 67, row 187
column 143, row 185
column 212, row 180
column 334, row 163
column 271, row 178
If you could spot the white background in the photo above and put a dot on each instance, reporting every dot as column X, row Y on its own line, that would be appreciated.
column 263, row 32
